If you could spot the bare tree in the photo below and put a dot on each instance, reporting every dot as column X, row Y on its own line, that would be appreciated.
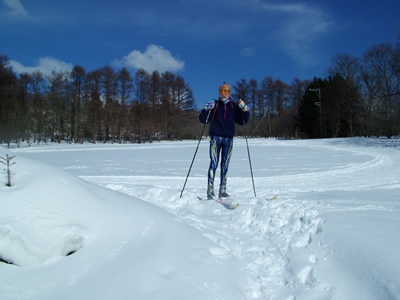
column 24, row 102
column 382, row 86
column 40, row 108
column 348, row 67
column 241, row 90
column 8, row 107
column 78, row 78
column 108, row 85
column 7, row 162
column 142, row 118
column 125, row 85
column 94, row 105
column 60, row 106
column 254, row 95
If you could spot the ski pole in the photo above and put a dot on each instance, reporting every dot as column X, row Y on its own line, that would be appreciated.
column 248, row 152
column 197, row 148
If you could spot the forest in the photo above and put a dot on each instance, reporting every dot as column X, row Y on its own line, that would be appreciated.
column 359, row 97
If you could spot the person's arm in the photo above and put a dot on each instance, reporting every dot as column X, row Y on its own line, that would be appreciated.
column 241, row 113
column 204, row 113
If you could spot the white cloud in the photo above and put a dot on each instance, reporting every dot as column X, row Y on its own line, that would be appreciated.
column 46, row 66
column 300, row 34
column 16, row 7
column 299, row 27
column 154, row 58
column 248, row 52
column 298, row 8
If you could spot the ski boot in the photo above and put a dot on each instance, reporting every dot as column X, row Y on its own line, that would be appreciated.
column 222, row 192
column 210, row 192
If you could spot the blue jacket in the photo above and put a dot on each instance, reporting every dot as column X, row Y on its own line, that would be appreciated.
column 223, row 117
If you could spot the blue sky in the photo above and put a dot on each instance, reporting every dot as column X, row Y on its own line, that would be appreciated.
column 206, row 41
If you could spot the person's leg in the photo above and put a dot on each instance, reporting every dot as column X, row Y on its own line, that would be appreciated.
column 214, row 158
column 226, row 153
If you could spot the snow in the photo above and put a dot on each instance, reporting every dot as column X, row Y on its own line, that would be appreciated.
column 106, row 222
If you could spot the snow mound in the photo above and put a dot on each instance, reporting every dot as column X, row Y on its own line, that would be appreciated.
column 44, row 215
column 131, row 248
column 20, row 249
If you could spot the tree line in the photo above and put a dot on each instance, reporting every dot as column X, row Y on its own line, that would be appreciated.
column 360, row 97
column 102, row 105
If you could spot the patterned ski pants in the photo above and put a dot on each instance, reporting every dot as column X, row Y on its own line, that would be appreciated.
column 219, row 145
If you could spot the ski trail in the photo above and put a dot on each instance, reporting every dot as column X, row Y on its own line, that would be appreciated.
column 269, row 234
column 278, row 242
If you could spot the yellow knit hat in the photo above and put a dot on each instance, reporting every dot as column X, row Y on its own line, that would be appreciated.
column 224, row 89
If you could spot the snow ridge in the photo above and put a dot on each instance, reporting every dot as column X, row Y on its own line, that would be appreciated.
column 277, row 229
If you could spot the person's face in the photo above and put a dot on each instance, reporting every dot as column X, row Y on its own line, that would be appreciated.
column 224, row 94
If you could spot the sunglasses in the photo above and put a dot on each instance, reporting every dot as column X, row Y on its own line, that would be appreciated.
column 223, row 91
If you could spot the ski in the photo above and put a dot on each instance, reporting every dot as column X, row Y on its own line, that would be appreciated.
column 230, row 205
column 226, row 204
column 204, row 199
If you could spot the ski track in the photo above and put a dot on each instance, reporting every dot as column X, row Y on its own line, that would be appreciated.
column 285, row 248
column 284, row 232
column 276, row 228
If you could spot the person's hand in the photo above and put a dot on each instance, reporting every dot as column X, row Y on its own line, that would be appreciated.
column 210, row 105
column 242, row 105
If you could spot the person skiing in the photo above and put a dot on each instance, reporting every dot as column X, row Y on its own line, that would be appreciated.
column 222, row 115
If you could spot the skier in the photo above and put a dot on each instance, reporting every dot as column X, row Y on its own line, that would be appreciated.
column 222, row 115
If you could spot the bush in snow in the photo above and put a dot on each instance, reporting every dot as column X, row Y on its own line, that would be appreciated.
column 7, row 161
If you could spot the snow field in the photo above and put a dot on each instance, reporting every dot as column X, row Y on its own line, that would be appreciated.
column 330, row 234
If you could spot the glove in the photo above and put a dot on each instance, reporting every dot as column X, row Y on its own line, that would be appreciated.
column 242, row 105
column 210, row 105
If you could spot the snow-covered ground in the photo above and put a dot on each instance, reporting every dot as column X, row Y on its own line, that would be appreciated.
column 106, row 222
